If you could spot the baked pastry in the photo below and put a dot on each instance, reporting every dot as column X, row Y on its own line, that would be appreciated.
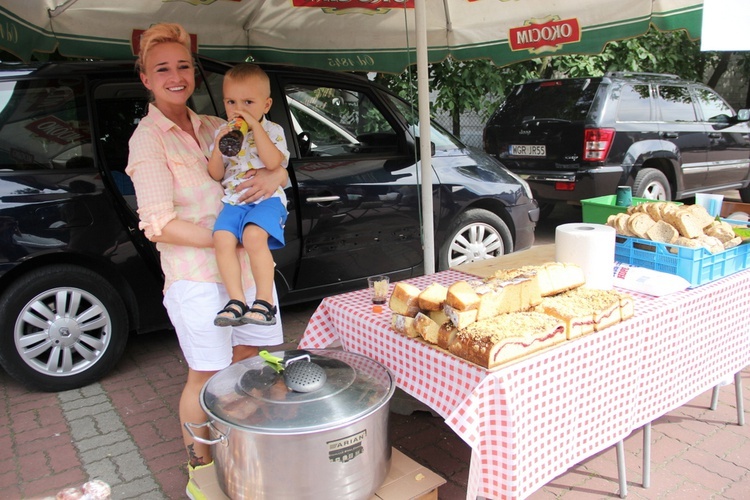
column 585, row 310
column 426, row 328
column 460, row 319
column 560, row 277
column 404, row 325
column 461, row 296
column 404, row 299
column 492, row 342
column 446, row 335
column 433, row 297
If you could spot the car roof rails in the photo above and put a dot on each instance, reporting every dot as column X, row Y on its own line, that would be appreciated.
column 642, row 75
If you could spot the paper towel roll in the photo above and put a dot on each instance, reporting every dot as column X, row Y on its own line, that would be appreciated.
column 591, row 246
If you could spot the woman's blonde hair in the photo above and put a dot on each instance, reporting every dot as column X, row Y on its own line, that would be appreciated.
column 160, row 33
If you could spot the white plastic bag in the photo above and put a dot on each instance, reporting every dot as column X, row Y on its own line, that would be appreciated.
column 648, row 281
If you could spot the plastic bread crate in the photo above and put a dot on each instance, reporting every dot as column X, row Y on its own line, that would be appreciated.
column 596, row 210
column 697, row 265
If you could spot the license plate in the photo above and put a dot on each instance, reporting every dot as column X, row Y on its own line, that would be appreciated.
column 528, row 150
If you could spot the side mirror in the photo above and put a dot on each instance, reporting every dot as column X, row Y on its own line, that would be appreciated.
column 417, row 144
column 743, row 115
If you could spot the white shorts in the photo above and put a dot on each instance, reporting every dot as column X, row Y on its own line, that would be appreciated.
column 192, row 307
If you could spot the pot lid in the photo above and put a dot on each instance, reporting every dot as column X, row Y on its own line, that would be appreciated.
column 251, row 394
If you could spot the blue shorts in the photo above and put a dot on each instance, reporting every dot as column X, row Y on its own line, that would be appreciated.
column 269, row 214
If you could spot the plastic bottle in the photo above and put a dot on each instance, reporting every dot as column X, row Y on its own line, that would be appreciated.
column 231, row 143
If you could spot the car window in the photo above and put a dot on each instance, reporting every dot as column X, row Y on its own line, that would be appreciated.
column 442, row 140
column 712, row 106
column 338, row 121
column 118, row 108
column 634, row 104
column 44, row 124
column 559, row 100
column 675, row 104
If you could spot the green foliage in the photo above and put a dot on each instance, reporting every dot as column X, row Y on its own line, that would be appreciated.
column 480, row 86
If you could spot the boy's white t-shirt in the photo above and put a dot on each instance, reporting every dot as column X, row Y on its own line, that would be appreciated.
column 236, row 167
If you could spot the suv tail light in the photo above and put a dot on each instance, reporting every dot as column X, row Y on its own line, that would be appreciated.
column 596, row 143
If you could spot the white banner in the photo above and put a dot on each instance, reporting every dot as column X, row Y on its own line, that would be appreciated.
column 725, row 24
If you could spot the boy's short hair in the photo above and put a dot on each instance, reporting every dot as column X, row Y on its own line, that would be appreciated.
column 247, row 71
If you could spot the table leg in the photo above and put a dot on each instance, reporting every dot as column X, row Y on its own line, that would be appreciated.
column 738, row 395
column 647, row 455
column 714, row 397
column 621, row 468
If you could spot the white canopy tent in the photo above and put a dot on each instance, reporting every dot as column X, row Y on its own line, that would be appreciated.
column 361, row 35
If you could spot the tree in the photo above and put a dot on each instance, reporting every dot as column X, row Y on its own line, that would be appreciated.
column 480, row 85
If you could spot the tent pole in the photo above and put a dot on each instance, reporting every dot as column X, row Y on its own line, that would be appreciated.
column 423, row 103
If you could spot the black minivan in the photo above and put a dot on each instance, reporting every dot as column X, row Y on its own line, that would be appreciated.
column 578, row 138
column 77, row 275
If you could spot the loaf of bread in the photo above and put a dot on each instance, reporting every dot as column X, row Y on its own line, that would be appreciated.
column 585, row 310
column 433, row 297
column 404, row 299
column 492, row 342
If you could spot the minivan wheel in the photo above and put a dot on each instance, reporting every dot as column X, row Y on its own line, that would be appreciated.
column 61, row 327
column 476, row 234
column 651, row 184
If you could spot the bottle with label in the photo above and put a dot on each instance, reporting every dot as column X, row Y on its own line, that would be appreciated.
column 231, row 143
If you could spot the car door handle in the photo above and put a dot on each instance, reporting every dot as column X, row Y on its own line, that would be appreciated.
column 714, row 135
column 323, row 199
column 669, row 135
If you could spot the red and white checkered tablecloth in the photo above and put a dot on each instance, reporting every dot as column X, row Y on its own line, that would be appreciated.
column 531, row 420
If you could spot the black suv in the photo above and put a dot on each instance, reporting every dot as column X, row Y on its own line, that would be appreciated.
column 77, row 275
column 578, row 138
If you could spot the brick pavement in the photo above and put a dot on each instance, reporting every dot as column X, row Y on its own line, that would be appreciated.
column 125, row 430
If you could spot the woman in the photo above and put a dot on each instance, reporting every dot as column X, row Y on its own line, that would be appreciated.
column 177, row 204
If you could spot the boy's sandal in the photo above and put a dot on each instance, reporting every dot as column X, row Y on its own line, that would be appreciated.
column 236, row 309
column 268, row 312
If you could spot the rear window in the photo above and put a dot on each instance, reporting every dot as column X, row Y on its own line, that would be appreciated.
column 568, row 100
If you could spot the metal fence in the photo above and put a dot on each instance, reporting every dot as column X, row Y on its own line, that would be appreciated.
column 471, row 127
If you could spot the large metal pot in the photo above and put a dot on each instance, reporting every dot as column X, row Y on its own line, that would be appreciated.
column 270, row 442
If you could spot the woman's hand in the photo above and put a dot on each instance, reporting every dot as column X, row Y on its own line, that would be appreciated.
column 262, row 184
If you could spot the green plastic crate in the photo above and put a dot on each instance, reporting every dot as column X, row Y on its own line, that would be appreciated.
column 597, row 210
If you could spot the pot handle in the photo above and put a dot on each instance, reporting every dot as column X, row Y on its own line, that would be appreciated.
column 221, row 439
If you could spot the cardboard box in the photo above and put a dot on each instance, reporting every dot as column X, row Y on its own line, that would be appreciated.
column 406, row 480
column 732, row 207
